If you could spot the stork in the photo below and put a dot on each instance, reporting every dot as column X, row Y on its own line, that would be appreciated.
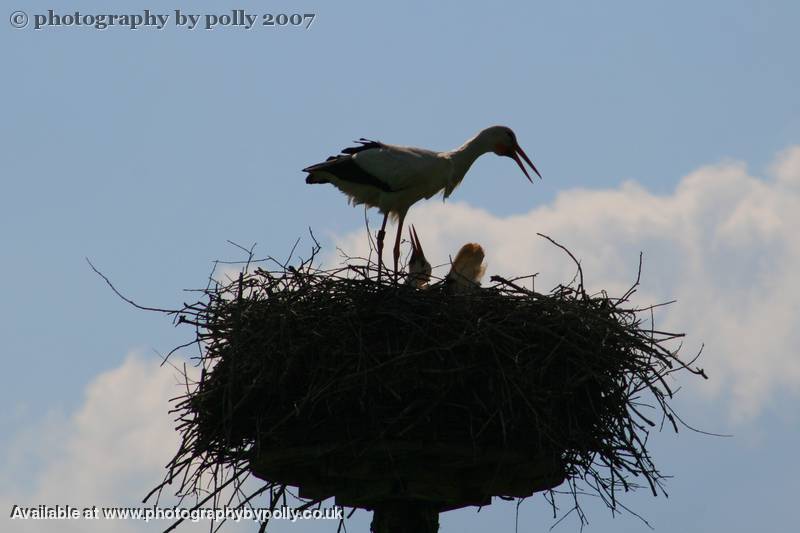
column 419, row 269
column 467, row 268
column 393, row 178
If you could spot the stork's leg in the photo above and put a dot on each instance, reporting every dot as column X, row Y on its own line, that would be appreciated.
column 397, row 243
column 381, row 235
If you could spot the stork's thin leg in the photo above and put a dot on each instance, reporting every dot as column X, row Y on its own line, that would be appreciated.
column 397, row 243
column 381, row 235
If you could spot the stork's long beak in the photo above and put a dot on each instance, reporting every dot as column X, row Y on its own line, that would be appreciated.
column 416, row 246
column 518, row 151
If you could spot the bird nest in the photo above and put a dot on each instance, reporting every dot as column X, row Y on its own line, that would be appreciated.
column 370, row 392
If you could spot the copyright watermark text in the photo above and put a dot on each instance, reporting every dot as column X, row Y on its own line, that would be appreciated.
column 147, row 19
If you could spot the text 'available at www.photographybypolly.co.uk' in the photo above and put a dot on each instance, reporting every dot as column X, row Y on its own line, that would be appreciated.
column 147, row 514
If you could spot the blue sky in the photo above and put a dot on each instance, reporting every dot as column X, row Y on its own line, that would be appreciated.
column 147, row 150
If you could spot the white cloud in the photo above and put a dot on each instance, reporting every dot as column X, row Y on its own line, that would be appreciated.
column 724, row 243
column 110, row 452
column 787, row 167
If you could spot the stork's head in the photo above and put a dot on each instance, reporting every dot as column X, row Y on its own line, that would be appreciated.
column 419, row 269
column 502, row 141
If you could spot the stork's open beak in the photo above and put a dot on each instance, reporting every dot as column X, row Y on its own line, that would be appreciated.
column 416, row 246
column 518, row 151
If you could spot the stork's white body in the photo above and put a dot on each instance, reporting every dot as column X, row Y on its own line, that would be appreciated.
column 412, row 174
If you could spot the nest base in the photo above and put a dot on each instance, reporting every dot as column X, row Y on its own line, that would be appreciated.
column 444, row 476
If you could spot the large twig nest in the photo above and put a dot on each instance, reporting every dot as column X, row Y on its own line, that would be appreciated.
column 374, row 392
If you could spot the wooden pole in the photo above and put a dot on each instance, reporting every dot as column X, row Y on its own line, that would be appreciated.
column 405, row 517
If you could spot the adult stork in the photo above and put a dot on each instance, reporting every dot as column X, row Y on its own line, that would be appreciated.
column 393, row 178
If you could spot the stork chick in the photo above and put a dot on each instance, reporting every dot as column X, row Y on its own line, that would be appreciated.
column 419, row 269
column 467, row 268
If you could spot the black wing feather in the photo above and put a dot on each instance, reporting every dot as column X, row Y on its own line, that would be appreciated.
column 344, row 168
column 366, row 144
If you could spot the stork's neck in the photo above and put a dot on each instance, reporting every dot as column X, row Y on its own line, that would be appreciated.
column 466, row 154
